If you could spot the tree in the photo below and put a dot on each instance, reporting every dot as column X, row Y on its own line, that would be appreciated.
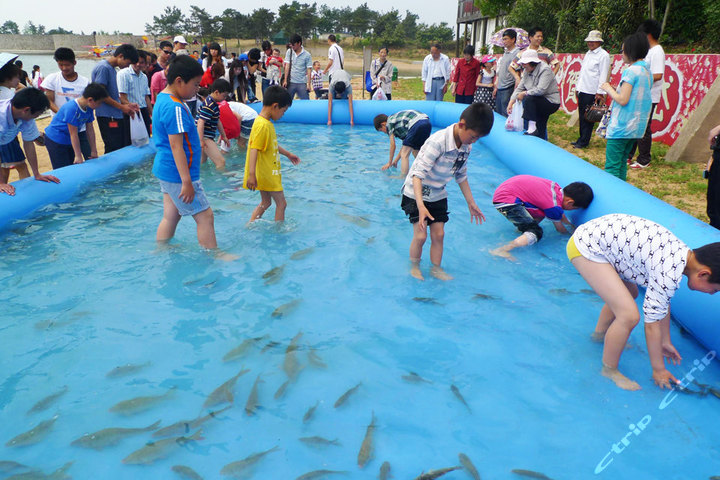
column 494, row 8
column 233, row 24
column 10, row 27
column 297, row 17
column 31, row 29
column 200, row 23
column 59, row 31
column 170, row 23
column 260, row 23
column 388, row 31
column 429, row 34
column 360, row 20
column 328, row 19
column 409, row 25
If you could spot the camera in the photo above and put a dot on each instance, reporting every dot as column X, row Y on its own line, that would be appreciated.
column 715, row 143
column 706, row 174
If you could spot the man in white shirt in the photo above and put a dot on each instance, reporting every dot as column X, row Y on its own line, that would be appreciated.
column 436, row 74
column 336, row 57
column 655, row 60
column 593, row 73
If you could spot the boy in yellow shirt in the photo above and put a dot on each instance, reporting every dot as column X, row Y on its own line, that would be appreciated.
column 262, row 164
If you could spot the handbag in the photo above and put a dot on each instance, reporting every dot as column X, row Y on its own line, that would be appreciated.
column 604, row 121
column 368, row 81
column 594, row 113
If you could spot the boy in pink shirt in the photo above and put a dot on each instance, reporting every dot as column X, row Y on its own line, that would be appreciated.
column 525, row 200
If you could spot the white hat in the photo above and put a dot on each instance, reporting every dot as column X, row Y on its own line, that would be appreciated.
column 6, row 58
column 594, row 36
column 180, row 39
column 529, row 56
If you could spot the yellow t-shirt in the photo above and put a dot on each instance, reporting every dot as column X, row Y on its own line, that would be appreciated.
column 267, row 170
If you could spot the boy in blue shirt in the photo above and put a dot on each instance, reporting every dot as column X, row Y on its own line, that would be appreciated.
column 62, row 137
column 209, row 124
column 18, row 115
column 177, row 161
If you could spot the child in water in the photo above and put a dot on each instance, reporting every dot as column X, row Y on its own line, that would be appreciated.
column 616, row 253
column 443, row 156
column 262, row 164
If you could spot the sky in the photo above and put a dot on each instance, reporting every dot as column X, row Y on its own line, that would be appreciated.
column 87, row 15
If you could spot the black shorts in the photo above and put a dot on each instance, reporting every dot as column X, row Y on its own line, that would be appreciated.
column 438, row 210
column 417, row 134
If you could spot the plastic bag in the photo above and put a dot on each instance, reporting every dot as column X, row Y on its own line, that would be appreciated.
column 379, row 95
column 514, row 122
column 368, row 82
column 138, row 132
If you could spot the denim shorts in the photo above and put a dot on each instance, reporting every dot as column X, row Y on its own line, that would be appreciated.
column 518, row 215
column 417, row 134
column 246, row 128
column 199, row 204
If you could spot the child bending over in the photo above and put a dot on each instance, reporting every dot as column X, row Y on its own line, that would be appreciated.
column 616, row 253
column 262, row 164
column 525, row 200
column 424, row 200
column 410, row 126
column 208, row 123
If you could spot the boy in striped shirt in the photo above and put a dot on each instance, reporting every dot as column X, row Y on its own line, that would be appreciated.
column 209, row 124
column 443, row 156
column 410, row 126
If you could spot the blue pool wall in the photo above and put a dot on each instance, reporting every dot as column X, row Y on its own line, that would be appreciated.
column 698, row 313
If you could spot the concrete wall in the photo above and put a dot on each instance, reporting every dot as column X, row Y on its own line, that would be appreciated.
column 692, row 144
column 48, row 43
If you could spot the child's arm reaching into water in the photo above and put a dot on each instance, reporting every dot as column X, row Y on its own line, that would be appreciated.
column 221, row 130
column 392, row 152
column 657, row 336
column 564, row 225
column 476, row 216
column 291, row 156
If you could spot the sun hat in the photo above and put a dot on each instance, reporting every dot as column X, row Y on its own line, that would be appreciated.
column 594, row 36
column 6, row 58
column 487, row 59
column 529, row 56
column 180, row 39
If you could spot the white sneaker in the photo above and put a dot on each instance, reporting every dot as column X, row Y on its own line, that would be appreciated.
column 638, row 166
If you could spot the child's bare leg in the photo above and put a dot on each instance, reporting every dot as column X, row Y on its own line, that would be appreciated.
column 607, row 316
column 606, row 282
column 241, row 142
column 4, row 175
column 504, row 251
column 437, row 236
column 265, row 202
column 416, row 246
column 168, row 224
column 211, row 149
column 206, row 228
column 405, row 159
column 22, row 170
column 280, row 205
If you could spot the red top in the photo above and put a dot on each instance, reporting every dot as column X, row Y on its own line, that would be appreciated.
column 207, row 79
column 229, row 121
column 465, row 76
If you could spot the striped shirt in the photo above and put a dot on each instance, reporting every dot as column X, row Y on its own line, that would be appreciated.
column 135, row 85
column 210, row 112
column 399, row 123
column 438, row 161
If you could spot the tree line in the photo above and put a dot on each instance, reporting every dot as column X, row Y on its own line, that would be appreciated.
column 309, row 20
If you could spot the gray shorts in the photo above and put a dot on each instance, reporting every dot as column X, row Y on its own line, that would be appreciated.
column 199, row 204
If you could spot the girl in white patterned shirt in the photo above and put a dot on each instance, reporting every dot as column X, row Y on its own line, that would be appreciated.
column 616, row 253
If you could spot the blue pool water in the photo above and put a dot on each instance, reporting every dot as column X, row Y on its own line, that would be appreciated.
column 87, row 289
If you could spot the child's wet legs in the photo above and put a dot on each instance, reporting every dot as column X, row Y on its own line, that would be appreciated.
column 265, row 202
column 280, row 205
column 168, row 224
column 437, row 236
column 419, row 237
column 206, row 228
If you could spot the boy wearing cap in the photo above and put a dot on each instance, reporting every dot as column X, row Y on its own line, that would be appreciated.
column 593, row 73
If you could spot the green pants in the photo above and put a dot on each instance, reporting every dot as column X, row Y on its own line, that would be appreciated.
column 616, row 155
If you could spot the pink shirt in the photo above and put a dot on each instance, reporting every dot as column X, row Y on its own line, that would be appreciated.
column 542, row 198
column 157, row 84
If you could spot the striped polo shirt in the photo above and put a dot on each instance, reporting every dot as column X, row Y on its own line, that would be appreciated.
column 135, row 85
column 210, row 112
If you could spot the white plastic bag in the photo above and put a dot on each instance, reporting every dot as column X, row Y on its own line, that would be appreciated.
column 138, row 132
column 514, row 122
column 379, row 95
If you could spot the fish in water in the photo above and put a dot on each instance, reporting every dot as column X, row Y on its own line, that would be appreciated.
column 59, row 474
column 286, row 308
column 281, row 389
column 186, row 426
column 186, row 472
column 139, row 404
column 291, row 366
column 370, row 240
column 530, row 474
column 7, row 466
column 224, row 393
column 468, row 465
column 302, row 253
column 159, row 449
column 238, row 468
column 366, row 449
column 384, row 471
column 433, row 474
column 484, row 296
column 273, row 275
column 357, row 220
column 127, row 369
column 343, row 398
column 252, row 402
column 320, row 473
column 310, row 412
column 315, row 359
column 413, row 377
column 241, row 349
column 110, row 436
column 319, row 441
column 428, row 300
column 560, row 291
column 34, row 435
column 459, row 396
column 269, row 345
column 47, row 401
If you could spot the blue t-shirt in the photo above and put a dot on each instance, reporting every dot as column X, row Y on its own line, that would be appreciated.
column 630, row 121
column 69, row 113
column 105, row 74
column 170, row 117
